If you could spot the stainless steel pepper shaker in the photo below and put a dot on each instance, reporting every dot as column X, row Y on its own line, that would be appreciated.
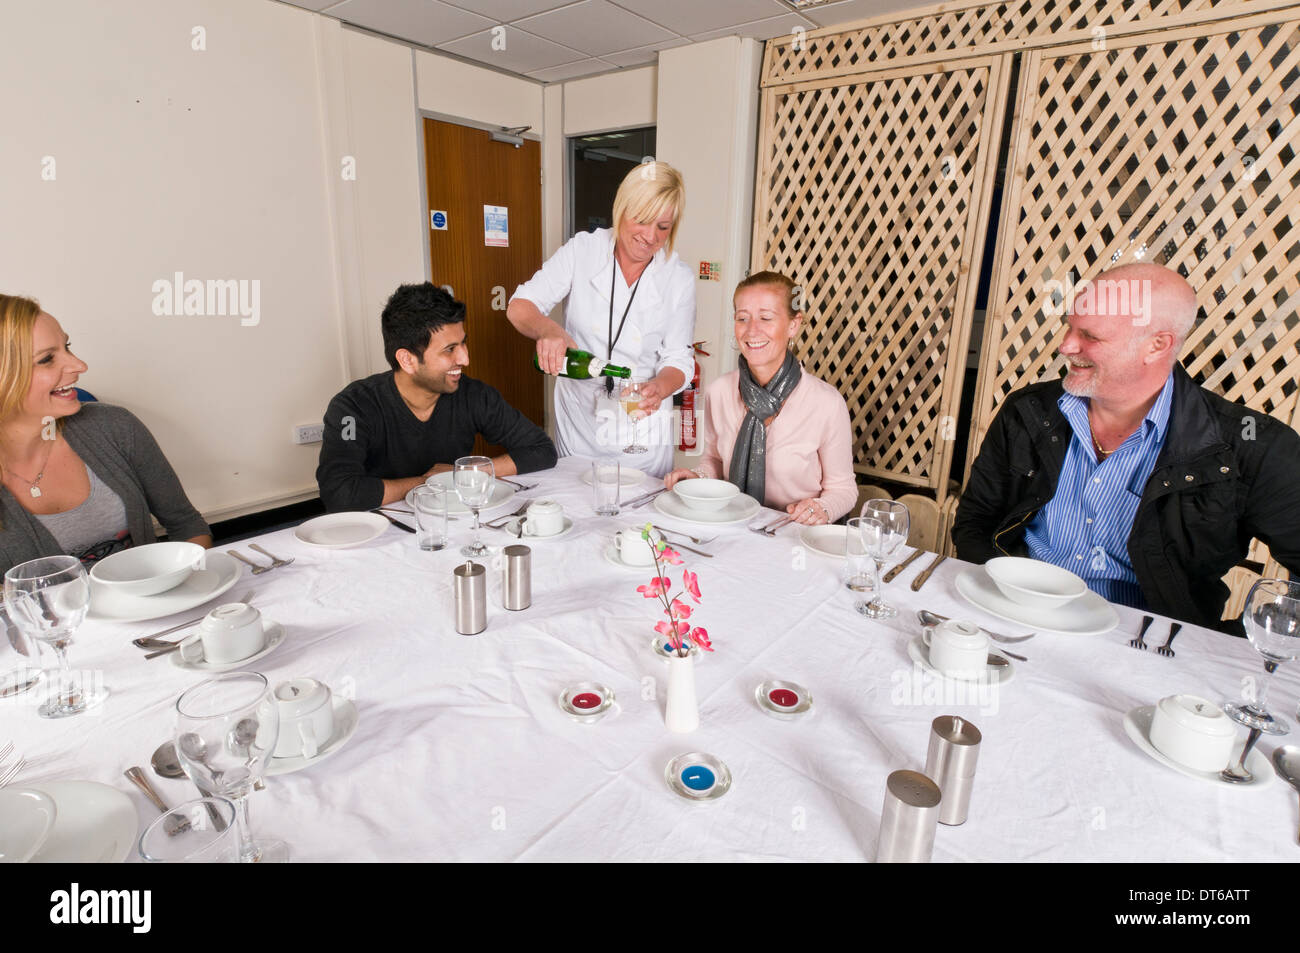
column 517, row 578
column 909, row 819
column 471, row 598
column 954, row 751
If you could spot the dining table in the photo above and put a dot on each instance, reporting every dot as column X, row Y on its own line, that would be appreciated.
column 461, row 751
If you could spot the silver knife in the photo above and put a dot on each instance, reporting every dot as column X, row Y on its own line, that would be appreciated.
column 643, row 500
column 893, row 573
column 919, row 581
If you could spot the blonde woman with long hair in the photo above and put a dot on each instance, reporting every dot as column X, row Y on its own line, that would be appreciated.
column 77, row 479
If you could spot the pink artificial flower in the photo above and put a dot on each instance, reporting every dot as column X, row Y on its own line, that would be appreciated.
column 671, row 556
column 692, row 584
column 674, row 635
column 701, row 638
column 659, row 584
column 680, row 610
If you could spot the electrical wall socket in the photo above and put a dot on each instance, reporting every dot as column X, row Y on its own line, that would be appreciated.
column 309, row 433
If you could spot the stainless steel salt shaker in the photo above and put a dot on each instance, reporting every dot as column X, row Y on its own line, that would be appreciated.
column 909, row 819
column 471, row 598
column 954, row 751
column 517, row 577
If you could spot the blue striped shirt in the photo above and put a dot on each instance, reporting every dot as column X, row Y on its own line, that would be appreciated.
column 1085, row 527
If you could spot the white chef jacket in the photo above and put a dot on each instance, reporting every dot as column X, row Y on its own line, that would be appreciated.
column 658, row 333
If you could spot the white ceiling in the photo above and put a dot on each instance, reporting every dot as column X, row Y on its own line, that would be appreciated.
column 555, row 40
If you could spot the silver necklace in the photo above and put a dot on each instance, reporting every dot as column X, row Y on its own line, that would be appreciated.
column 34, row 485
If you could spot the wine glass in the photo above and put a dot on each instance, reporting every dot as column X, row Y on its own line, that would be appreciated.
column 884, row 526
column 226, row 729
column 474, row 479
column 48, row 599
column 1272, row 620
column 630, row 400
column 855, row 558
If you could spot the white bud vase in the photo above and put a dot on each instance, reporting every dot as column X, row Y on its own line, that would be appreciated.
column 682, row 713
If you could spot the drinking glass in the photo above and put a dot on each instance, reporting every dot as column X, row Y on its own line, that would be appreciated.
column 48, row 599
column 474, row 479
column 1272, row 621
column 226, row 729
column 857, row 562
column 201, row 831
column 605, row 478
column 883, row 526
column 630, row 400
column 430, row 503
column 20, row 657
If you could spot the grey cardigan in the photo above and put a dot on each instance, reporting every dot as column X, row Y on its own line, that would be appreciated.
column 126, row 457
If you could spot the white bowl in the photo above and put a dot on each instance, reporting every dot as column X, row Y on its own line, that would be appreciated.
column 706, row 495
column 1194, row 732
column 148, row 570
column 1031, row 582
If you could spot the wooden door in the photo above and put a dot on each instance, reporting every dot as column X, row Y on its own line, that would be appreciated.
column 466, row 170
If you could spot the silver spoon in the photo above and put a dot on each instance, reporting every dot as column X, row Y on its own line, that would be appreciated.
column 175, row 825
column 933, row 618
column 1286, row 762
column 997, row 661
column 167, row 765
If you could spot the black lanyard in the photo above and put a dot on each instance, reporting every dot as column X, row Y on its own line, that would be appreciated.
column 610, row 337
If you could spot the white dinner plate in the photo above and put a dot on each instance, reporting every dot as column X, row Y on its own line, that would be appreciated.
column 993, row 675
column 510, row 525
column 501, row 492
column 1137, row 725
column 829, row 540
column 1089, row 614
column 26, row 817
column 626, row 476
column 345, row 726
column 740, row 508
column 96, row 824
column 341, row 530
column 220, row 572
column 274, row 636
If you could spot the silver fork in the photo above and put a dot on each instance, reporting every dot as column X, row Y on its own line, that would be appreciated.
column 1165, row 649
column 7, row 750
column 771, row 529
column 11, row 772
column 1139, row 642
column 501, row 521
column 276, row 561
column 687, row 535
column 257, row 570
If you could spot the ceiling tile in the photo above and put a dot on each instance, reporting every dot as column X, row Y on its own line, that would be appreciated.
column 642, row 55
column 851, row 10
column 426, row 22
column 596, row 27
column 688, row 17
column 759, row 29
column 523, row 52
column 508, row 10
column 557, row 74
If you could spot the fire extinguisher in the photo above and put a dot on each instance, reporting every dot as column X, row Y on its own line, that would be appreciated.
column 686, row 399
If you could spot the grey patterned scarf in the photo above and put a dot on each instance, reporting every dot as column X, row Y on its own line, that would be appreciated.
column 749, row 457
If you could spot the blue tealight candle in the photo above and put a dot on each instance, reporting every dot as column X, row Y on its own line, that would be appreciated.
column 698, row 778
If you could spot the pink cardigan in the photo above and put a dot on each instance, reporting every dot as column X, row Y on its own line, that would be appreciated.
column 809, row 444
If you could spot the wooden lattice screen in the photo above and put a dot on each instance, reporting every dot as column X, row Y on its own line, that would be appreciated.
column 1182, row 148
column 869, row 197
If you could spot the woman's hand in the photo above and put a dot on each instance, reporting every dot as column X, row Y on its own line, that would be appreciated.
column 672, row 479
column 809, row 512
column 550, row 350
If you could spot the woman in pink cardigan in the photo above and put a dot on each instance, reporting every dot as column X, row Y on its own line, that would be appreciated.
column 779, row 434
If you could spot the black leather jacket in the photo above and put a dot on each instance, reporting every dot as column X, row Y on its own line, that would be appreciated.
column 1225, row 473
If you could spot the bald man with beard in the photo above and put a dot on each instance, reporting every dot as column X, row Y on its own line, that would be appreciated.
column 1127, row 472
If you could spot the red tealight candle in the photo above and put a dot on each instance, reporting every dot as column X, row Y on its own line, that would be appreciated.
column 783, row 697
column 586, row 700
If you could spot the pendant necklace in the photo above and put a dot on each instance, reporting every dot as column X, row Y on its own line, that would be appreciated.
column 34, row 485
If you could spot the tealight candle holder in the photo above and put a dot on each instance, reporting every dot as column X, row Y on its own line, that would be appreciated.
column 696, row 776
column 784, row 700
column 586, row 702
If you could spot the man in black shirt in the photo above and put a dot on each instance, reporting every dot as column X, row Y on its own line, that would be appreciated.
column 385, row 434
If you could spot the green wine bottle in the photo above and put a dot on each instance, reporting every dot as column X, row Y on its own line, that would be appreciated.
column 583, row 365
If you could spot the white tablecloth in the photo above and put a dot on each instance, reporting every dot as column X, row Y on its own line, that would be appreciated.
column 463, row 754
